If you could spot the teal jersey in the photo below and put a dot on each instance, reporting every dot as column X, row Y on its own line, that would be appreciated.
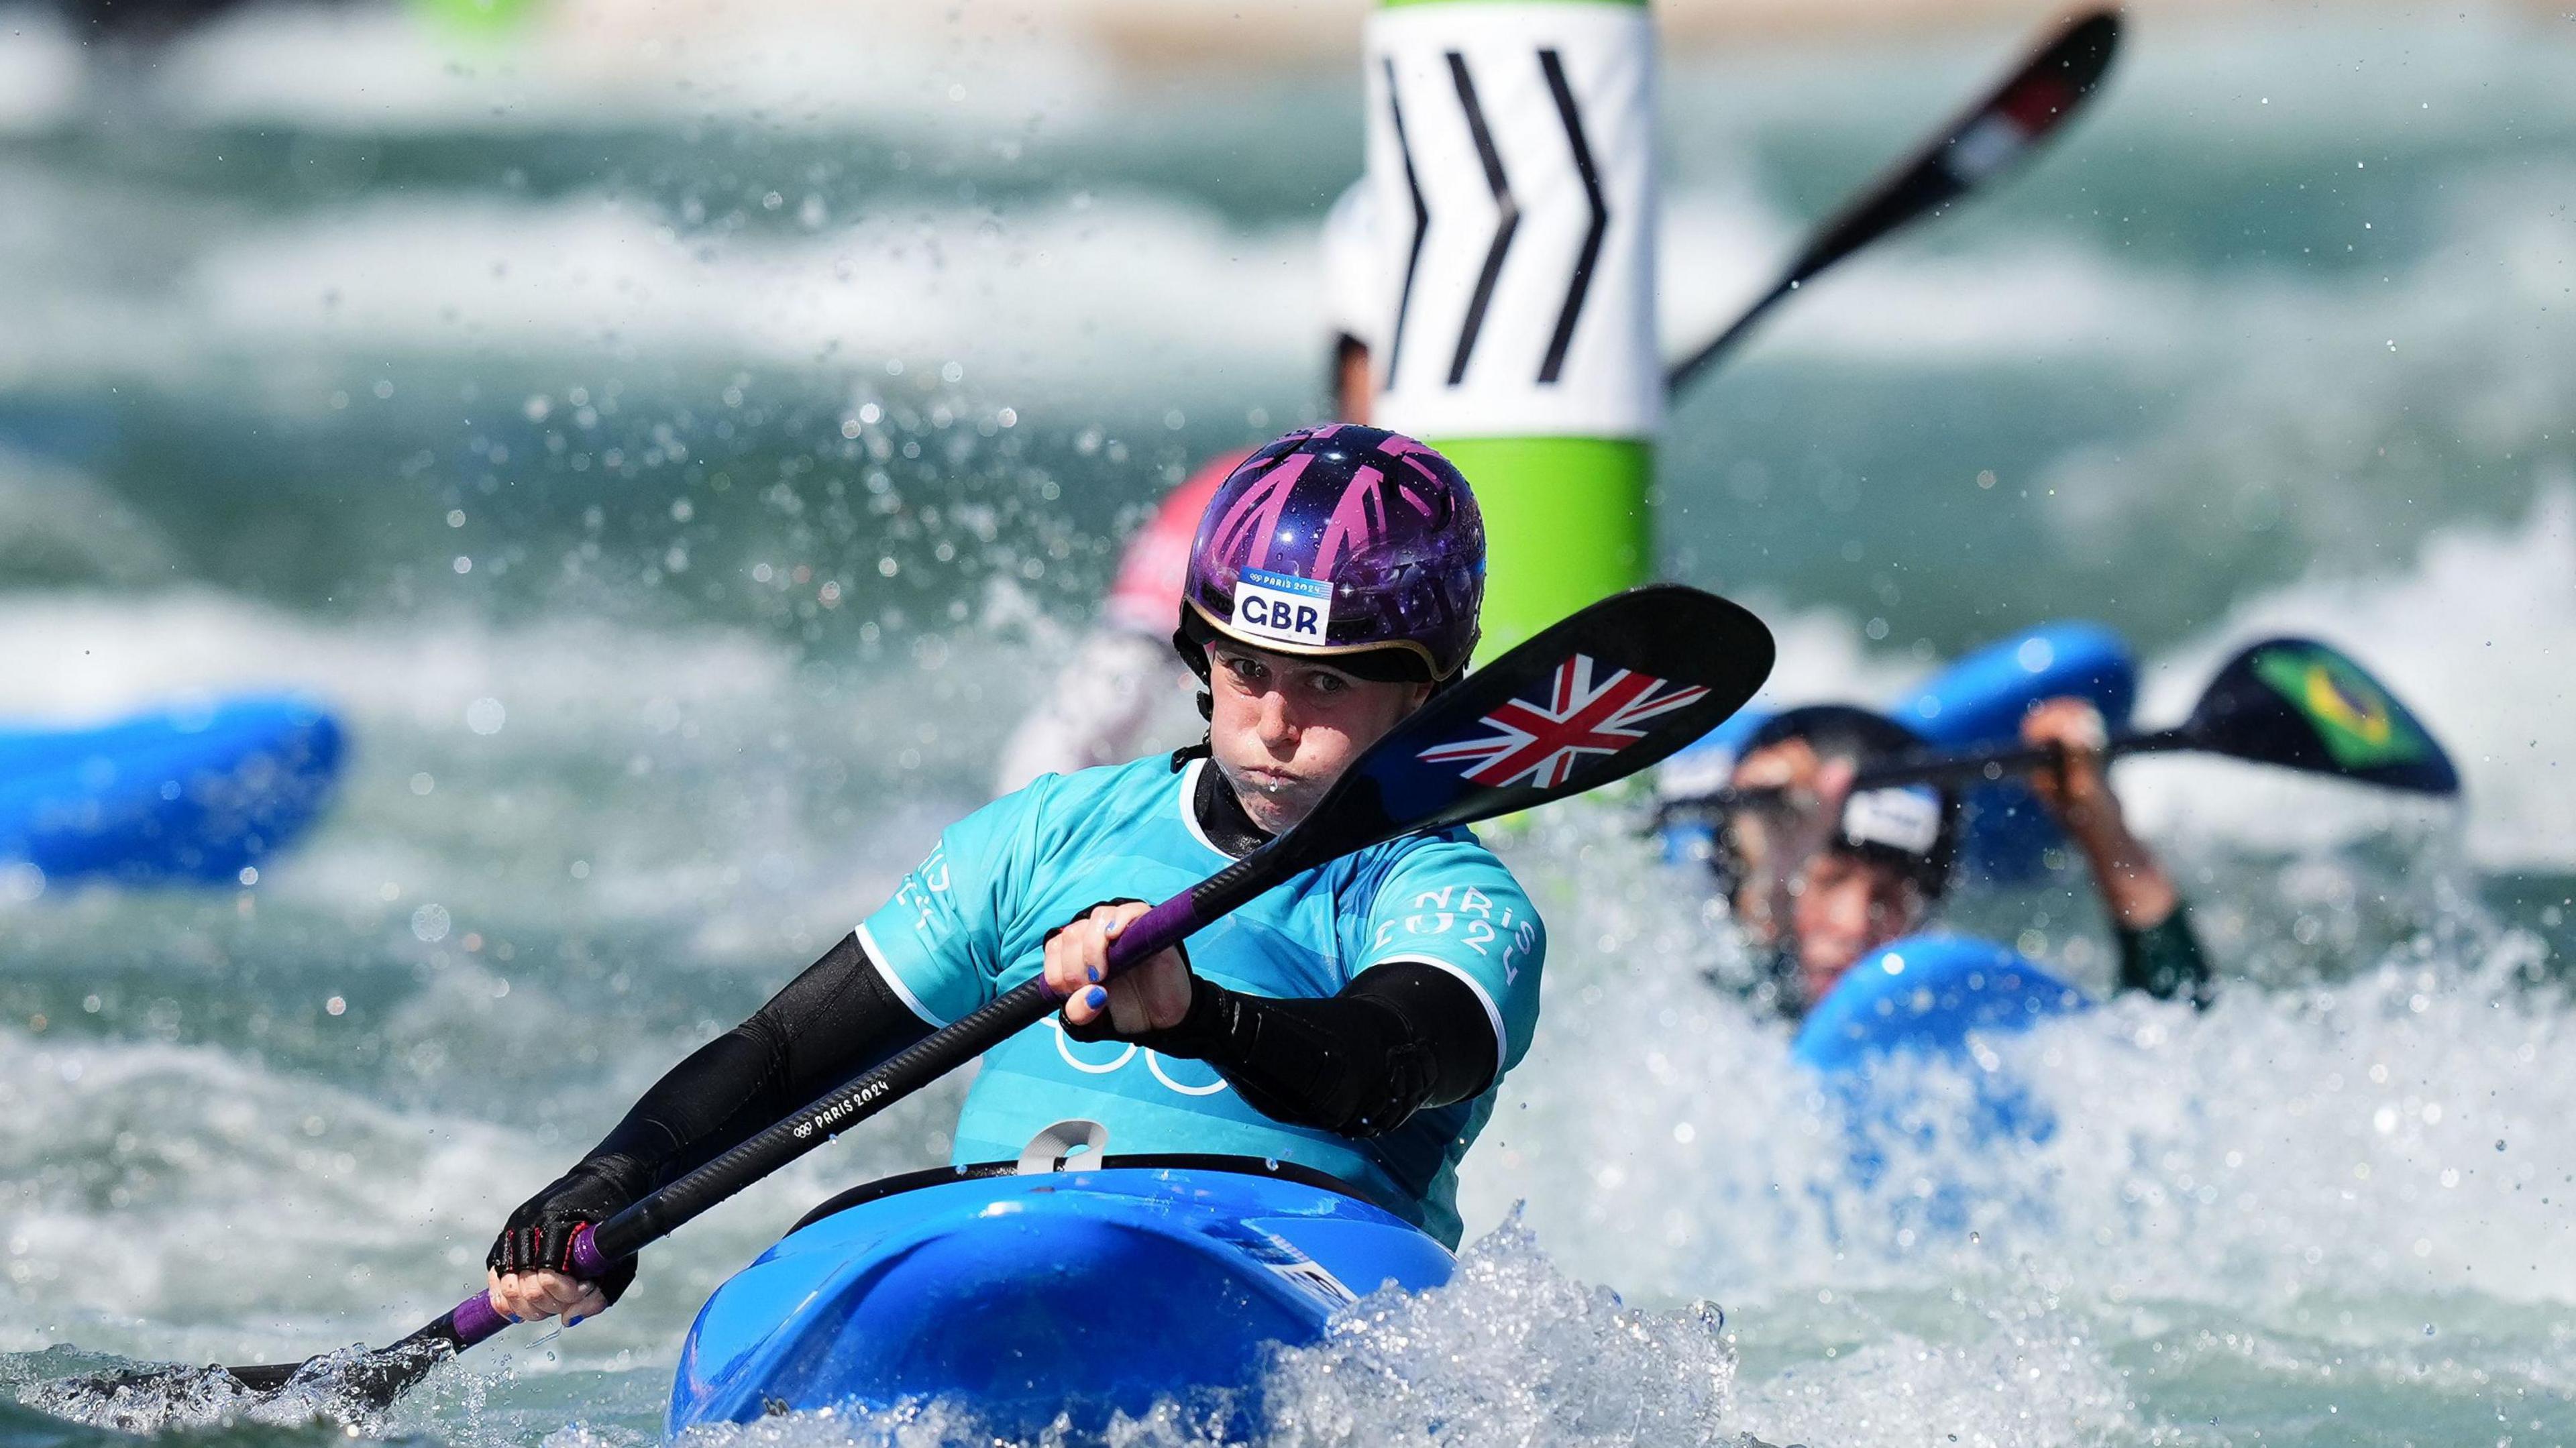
column 971, row 922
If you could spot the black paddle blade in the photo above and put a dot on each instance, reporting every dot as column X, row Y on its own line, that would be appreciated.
column 347, row 1386
column 2297, row 703
column 1609, row 691
column 1989, row 139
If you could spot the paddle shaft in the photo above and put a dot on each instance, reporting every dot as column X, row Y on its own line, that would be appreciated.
column 597, row 1249
column 1999, row 760
column 2061, row 76
column 1680, row 374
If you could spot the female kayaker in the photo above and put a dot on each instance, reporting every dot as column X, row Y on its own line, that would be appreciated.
column 1820, row 876
column 1357, row 1020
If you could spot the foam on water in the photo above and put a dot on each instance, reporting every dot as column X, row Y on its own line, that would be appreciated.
column 2397, row 1180
column 1655, row 1102
column 592, row 65
column 254, row 1205
column 40, row 70
column 1068, row 289
column 1510, row 1351
column 264, row 1214
column 2333, row 414
column 1038, row 293
column 2033, row 1380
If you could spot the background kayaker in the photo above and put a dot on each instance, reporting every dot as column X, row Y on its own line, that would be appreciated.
column 1358, row 1020
column 1101, row 703
column 1819, row 876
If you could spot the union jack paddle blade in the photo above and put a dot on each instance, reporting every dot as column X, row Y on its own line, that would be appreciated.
column 1609, row 691
column 1587, row 710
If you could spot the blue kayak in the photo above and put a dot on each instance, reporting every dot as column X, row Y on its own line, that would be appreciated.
column 1927, row 995
column 1931, row 997
column 1024, row 1296
column 194, row 792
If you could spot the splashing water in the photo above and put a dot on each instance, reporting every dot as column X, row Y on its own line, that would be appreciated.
column 679, row 561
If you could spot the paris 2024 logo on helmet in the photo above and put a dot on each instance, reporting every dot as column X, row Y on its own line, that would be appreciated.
column 1339, row 540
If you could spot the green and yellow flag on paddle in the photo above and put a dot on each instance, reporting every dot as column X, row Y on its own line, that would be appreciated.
column 2360, row 726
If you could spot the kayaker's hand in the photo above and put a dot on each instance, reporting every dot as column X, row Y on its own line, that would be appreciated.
column 2075, row 790
column 1794, row 800
column 1151, row 995
column 2135, row 888
column 535, row 1296
column 1810, row 788
column 1789, row 766
column 524, row 1273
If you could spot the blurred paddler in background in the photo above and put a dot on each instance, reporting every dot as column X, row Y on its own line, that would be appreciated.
column 1835, row 831
column 1819, row 874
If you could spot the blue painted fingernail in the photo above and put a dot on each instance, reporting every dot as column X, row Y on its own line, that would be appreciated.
column 573, row 1321
column 514, row 1317
column 1095, row 998
column 1092, row 971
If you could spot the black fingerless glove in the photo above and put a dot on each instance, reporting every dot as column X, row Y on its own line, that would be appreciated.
column 539, row 1235
column 1099, row 1027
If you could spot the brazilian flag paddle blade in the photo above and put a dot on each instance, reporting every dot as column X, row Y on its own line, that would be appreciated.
column 2295, row 702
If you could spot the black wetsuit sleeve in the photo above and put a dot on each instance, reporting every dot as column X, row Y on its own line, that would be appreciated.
column 2165, row 959
column 828, row 1025
column 1401, row 1037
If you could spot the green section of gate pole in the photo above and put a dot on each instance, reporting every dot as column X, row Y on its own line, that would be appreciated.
column 1565, row 525
column 482, row 19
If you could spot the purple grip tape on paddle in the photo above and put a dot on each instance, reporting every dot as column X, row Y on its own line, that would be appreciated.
column 1160, row 928
column 474, row 1320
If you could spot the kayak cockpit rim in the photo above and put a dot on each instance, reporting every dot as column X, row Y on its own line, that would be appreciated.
column 1254, row 1166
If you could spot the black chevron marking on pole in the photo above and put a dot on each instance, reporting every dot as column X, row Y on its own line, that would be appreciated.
column 1421, row 227
column 1581, row 286
column 1508, row 221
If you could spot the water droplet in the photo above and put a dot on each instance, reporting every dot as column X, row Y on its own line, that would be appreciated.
column 428, row 923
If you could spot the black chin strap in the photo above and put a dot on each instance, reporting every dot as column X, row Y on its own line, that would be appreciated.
column 1221, row 816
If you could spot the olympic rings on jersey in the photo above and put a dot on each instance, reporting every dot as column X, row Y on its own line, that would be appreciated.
column 1153, row 1063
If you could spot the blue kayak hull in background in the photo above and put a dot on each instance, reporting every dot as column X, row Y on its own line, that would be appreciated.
column 1080, row 1293
column 1930, row 1001
column 194, row 792
column 1927, row 994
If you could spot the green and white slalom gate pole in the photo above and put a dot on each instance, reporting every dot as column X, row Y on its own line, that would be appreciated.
column 1511, row 159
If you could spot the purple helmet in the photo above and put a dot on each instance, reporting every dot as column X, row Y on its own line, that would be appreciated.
column 1340, row 540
